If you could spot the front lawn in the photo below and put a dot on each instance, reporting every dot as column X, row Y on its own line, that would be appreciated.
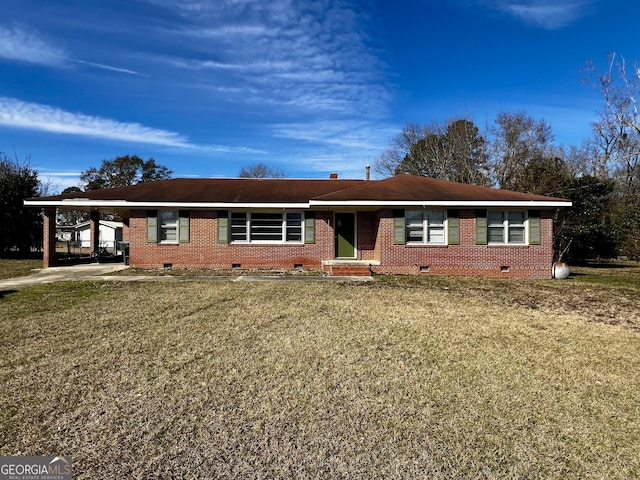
column 10, row 268
column 614, row 274
column 404, row 377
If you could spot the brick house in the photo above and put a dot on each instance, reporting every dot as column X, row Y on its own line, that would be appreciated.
column 404, row 224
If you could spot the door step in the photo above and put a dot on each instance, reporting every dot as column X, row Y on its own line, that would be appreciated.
column 345, row 268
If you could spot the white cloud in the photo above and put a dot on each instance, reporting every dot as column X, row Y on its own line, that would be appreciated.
column 315, row 57
column 228, row 30
column 58, row 181
column 550, row 14
column 343, row 146
column 366, row 138
column 32, row 116
column 22, row 44
column 17, row 43
column 57, row 174
column 253, row 67
column 105, row 67
column 322, row 164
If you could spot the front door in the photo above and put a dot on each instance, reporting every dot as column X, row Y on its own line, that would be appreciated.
column 345, row 235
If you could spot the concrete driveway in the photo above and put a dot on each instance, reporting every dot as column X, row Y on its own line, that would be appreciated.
column 90, row 271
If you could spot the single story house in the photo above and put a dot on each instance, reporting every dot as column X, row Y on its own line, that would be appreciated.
column 400, row 225
column 110, row 234
column 66, row 233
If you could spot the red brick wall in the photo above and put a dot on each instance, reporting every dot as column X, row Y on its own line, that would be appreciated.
column 49, row 258
column 374, row 242
column 94, row 230
column 366, row 233
column 527, row 261
column 126, row 231
column 204, row 251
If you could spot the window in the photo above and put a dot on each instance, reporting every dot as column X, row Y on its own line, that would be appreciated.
column 425, row 227
column 266, row 227
column 506, row 227
column 294, row 227
column 238, row 227
column 168, row 226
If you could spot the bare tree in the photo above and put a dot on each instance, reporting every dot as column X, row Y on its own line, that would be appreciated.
column 619, row 90
column 399, row 147
column 453, row 151
column 627, row 169
column 606, row 133
column 578, row 159
column 617, row 133
column 261, row 170
column 517, row 139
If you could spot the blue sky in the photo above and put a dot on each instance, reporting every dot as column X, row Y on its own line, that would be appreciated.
column 209, row 86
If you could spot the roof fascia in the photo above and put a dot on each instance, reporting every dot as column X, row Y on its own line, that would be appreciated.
column 312, row 203
column 71, row 203
column 443, row 203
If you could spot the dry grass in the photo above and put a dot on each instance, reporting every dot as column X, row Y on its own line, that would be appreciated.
column 216, row 272
column 400, row 378
column 11, row 268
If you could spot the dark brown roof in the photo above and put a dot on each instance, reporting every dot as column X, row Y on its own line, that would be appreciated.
column 414, row 188
column 265, row 191
column 218, row 190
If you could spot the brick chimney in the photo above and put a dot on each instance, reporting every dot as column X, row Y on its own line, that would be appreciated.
column 333, row 176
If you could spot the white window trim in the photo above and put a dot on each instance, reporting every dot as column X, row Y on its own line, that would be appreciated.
column 177, row 227
column 505, row 227
column 284, row 241
column 424, row 242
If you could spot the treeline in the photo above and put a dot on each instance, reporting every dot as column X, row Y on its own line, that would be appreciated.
column 21, row 233
column 21, row 226
column 518, row 152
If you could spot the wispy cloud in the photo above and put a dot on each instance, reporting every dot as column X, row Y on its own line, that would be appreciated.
column 105, row 67
column 322, row 163
column 339, row 146
column 65, row 174
column 549, row 14
column 32, row 116
column 56, row 181
column 224, row 31
column 315, row 57
column 17, row 43
column 25, row 45
column 369, row 139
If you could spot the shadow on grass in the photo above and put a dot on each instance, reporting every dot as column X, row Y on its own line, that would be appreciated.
column 85, row 260
column 606, row 265
column 6, row 292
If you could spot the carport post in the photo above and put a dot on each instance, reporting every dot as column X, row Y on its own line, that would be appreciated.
column 94, row 228
column 49, row 257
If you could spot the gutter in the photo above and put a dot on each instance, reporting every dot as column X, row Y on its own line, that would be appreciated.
column 75, row 203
